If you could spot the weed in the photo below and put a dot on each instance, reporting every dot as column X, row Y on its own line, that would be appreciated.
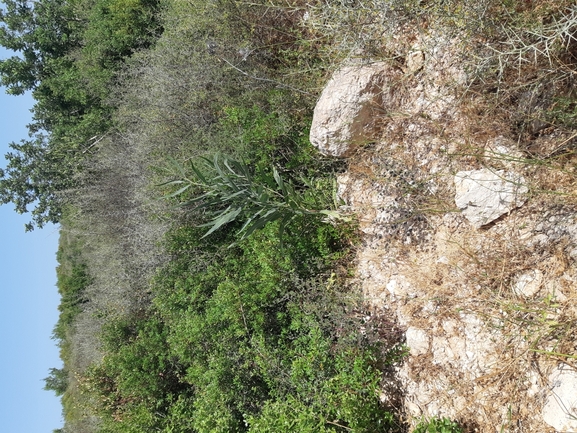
column 438, row 425
column 229, row 191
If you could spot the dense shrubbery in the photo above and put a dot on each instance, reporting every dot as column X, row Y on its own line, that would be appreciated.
column 72, row 278
column 252, row 337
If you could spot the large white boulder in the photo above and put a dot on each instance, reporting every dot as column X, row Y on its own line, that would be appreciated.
column 484, row 195
column 345, row 114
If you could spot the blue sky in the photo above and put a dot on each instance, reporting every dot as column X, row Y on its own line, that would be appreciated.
column 28, row 301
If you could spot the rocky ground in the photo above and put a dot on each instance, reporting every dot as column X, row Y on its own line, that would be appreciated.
column 468, row 243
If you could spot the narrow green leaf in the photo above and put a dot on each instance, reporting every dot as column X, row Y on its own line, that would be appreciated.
column 233, row 166
column 307, row 182
column 198, row 173
column 177, row 165
column 206, row 197
column 277, row 178
column 223, row 219
column 178, row 192
column 263, row 198
column 234, row 195
column 335, row 215
column 261, row 222
column 245, row 225
column 171, row 182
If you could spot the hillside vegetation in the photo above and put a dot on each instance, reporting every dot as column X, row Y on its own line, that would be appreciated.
column 183, row 309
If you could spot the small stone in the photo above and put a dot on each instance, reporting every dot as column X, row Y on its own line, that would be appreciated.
column 560, row 410
column 415, row 61
column 391, row 286
column 418, row 341
column 533, row 380
column 449, row 326
column 443, row 260
column 485, row 195
column 529, row 283
column 538, row 239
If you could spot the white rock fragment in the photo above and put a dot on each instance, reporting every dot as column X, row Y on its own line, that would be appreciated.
column 344, row 116
column 443, row 260
column 560, row 410
column 533, row 381
column 485, row 195
column 417, row 340
column 529, row 283
column 391, row 286
column 415, row 61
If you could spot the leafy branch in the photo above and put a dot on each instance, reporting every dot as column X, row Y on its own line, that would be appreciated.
column 232, row 193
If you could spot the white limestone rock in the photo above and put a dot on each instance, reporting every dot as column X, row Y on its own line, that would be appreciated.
column 344, row 116
column 415, row 60
column 560, row 410
column 528, row 283
column 417, row 340
column 484, row 195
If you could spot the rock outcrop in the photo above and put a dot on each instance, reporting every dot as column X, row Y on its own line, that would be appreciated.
column 481, row 308
column 348, row 110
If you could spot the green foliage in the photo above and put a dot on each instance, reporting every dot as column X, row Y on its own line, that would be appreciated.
column 266, row 135
column 242, row 338
column 137, row 378
column 233, row 334
column 28, row 180
column 563, row 112
column 253, row 340
column 68, row 55
column 57, row 381
column 115, row 30
column 41, row 33
column 72, row 278
column 438, row 425
column 229, row 191
column 236, row 336
column 333, row 390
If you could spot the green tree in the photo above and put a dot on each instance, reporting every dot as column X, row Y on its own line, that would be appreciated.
column 66, row 53
column 40, row 32
column 57, row 381
column 34, row 175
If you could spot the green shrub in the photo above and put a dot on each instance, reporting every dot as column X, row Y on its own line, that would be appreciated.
column 227, row 191
column 438, row 425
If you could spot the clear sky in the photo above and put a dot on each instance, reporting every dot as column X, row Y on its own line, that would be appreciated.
column 28, row 301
